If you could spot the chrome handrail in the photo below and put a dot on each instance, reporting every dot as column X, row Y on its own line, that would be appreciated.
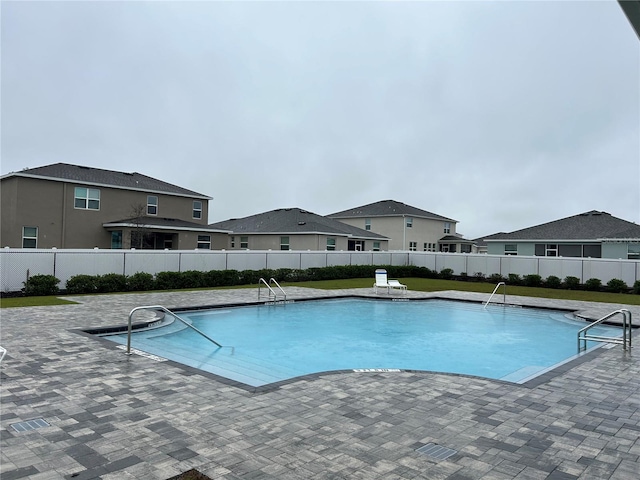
column 271, row 290
column 504, row 298
column 625, row 341
column 166, row 310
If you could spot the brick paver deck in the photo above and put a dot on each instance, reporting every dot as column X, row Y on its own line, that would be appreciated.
column 114, row 416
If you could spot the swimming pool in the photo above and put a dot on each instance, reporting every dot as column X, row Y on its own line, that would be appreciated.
column 270, row 343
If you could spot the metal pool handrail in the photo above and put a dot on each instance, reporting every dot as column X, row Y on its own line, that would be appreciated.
column 625, row 341
column 165, row 310
column 271, row 290
column 504, row 298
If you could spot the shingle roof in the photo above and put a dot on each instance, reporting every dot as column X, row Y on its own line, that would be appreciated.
column 591, row 225
column 294, row 221
column 387, row 208
column 98, row 176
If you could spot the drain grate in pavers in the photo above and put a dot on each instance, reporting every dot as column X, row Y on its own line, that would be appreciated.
column 30, row 425
column 436, row 451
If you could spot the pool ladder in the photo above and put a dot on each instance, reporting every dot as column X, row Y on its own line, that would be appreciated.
column 625, row 340
column 504, row 297
column 165, row 310
column 272, row 293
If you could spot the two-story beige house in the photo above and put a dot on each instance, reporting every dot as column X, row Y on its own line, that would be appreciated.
column 72, row 206
column 407, row 227
column 298, row 229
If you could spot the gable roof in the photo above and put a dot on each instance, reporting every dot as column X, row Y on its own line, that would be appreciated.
column 62, row 172
column 388, row 208
column 293, row 221
column 593, row 225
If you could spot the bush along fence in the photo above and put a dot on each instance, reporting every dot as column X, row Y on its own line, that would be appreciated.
column 190, row 279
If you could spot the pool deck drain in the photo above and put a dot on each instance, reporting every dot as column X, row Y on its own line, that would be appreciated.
column 115, row 416
column 436, row 452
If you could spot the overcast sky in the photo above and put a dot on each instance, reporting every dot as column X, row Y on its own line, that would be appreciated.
column 500, row 115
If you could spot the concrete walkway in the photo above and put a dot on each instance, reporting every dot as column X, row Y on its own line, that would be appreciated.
column 114, row 416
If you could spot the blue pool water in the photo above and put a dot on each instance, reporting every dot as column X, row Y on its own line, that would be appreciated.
column 269, row 343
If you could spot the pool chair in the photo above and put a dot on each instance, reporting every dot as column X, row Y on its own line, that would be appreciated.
column 383, row 282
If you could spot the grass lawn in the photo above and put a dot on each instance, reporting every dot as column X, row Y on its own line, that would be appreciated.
column 415, row 284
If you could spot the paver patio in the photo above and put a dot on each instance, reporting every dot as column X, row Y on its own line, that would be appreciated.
column 114, row 416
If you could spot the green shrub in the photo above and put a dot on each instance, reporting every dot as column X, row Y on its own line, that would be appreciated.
column 168, row 280
column 39, row 285
column 479, row 277
column 593, row 284
column 532, row 280
column 140, row 282
column 514, row 279
column 192, row 279
column 496, row 278
column 636, row 287
column 111, row 282
column 616, row 285
column 553, row 282
column 463, row 276
column 82, row 284
column 446, row 273
column 571, row 283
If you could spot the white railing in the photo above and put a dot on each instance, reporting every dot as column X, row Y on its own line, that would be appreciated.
column 17, row 264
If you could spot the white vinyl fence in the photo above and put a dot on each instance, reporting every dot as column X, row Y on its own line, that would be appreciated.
column 17, row 264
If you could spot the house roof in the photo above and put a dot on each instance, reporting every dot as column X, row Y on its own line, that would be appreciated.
column 162, row 224
column 388, row 208
column 106, row 178
column 593, row 225
column 293, row 221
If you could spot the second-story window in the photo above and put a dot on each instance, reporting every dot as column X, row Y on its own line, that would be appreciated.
column 86, row 198
column 447, row 227
column 152, row 205
column 367, row 224
column 409, row 222
column 197, row 209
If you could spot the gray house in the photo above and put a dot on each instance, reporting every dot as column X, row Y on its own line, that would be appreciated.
column 591, row 234
column 73, row 206
column 297, row 229
column 407, row 227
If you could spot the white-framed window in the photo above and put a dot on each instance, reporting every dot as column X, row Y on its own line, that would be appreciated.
column 429, row 247
column 204, row 242
column 244, row 242
column 331, row 243
column 413, row 246
column 447, row 227
column 551, row 250
column 284, row 243
column 86, row 198
column 152, row 205
column 511, row 249
column 233, row 242
column 376, row 246
column 367, row 224
column 633, row 251
column 197, row 209
column 29, row 237
column 409, row 222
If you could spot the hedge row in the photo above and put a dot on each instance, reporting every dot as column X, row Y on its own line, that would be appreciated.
column 113, row 282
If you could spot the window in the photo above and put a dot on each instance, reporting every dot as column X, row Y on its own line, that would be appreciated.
column 244, row 242
column 413, row 246
column 409, row 222
column 116, row 239
column 331, row 243
column 86, row 198
column 376, row 246
column 197, row 209
column 633, row 250
column 284, row 243
column 465, row 248
column 551, row 250
column 233, row 242
column 29, row 237
column 429, row 247
column 447, row 227
column 511, row 249
column 152, row 205
column 367, row 224
column 204, row 242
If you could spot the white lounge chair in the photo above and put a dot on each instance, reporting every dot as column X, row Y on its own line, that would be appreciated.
column 383, row 282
